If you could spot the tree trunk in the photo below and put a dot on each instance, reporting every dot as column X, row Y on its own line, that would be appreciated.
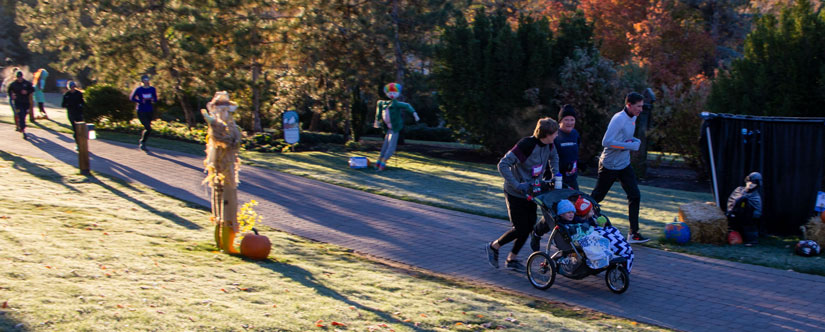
column 399, row 57
column 256, row 98
column 180, row 96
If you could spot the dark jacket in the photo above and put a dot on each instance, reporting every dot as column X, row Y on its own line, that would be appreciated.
column 73, row 100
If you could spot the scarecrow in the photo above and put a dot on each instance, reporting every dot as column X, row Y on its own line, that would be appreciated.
column 389, row 112
column 221, row 166
column 39, row 84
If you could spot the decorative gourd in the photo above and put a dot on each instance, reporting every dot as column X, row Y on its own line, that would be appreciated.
column 734, row 238
column 255, row 246
column 678, row 232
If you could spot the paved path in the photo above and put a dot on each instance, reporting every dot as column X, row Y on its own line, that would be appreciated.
column 668, row 289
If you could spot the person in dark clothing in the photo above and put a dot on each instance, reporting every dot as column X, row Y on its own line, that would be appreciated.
column 745, row 208
column 73, row 102
column 145, row 96
column 614, row 162
column 21, row 94
column 567, row 145
column 521, row 167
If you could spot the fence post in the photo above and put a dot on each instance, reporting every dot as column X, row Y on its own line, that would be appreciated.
column 82, row 147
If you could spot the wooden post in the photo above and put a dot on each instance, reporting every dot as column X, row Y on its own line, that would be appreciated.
column 82, row 147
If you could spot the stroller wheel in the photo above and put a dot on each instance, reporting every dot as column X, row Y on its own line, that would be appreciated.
column 617, row 278
column 541, row 270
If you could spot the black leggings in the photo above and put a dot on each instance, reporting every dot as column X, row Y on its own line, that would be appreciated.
column 627, row 177
column 74, row 116
column 145, row 120
column 523, row 216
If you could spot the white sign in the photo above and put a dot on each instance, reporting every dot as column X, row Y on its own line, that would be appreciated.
column 820, row 202
column 292, row 129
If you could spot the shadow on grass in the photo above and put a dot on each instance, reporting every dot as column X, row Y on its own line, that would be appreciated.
column 307, row 279
column 9, row 324
column 36, row 170
column 163, row 214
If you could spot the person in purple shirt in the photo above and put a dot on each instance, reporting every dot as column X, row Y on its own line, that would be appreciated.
column 145, row 96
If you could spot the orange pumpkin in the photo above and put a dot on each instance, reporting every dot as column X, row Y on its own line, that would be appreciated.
column 255, row 246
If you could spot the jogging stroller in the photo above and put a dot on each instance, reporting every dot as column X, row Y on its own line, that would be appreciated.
column 576, row 250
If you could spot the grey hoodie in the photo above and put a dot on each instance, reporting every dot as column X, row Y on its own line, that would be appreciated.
column 618, row 141
column 528, row 155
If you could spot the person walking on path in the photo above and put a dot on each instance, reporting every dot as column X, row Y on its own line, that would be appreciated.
column 145, row 96
column 21, row 94
column 614, row 162
column 567, row 144
column 521, row 167
column 73, row 102
column 39, row 84
column 389, row 112
column 6, row 83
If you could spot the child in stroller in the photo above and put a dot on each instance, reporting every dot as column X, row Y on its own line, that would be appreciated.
column 585, row 242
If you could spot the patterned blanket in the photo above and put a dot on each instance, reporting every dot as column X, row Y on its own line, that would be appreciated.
column 618, row 244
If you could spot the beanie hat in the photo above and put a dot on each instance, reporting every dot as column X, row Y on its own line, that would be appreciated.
column 565, row 206
column 144, row 78
column 567, row 110
column 70, row 84
column 583, row 206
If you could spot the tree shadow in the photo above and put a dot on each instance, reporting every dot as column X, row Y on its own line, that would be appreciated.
column 36, row 170
column 160, row 156
column 306, row 279
column 9, row 324
column 163, row 214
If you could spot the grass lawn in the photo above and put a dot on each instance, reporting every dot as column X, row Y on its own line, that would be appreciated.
column 476, row 188
column 97, row 254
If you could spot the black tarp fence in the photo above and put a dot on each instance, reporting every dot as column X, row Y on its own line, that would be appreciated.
column 789, row 152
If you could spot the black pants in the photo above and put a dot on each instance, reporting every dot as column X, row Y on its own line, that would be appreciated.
column 743, row 222
column 627, row 177
column 145, row 120
column 22, row 111
column 571, row 181
column 523, row 216
column 74, row 116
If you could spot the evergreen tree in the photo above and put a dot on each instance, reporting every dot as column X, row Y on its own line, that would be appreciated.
column 783, row 70
column 485, row 72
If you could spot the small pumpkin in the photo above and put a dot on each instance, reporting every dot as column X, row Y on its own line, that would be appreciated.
column 255, row 246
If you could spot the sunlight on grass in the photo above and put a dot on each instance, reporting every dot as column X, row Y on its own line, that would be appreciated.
column 96, row 254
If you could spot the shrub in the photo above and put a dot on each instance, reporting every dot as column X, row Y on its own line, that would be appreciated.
column 104, row 101
column 424, row 133
column 310, row 138
column 352, row 146
column 678, row 125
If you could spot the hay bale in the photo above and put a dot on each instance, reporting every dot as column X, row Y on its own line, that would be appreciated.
column 815, row 231
column 707, row 222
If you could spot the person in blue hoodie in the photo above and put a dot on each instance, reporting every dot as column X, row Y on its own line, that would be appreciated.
column 567, row 144
column 614, row 162
column 145, row 96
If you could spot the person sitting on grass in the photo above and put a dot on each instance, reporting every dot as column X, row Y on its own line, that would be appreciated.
column 744, row 208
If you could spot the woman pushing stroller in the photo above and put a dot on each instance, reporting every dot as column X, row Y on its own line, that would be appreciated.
column 522, row 168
